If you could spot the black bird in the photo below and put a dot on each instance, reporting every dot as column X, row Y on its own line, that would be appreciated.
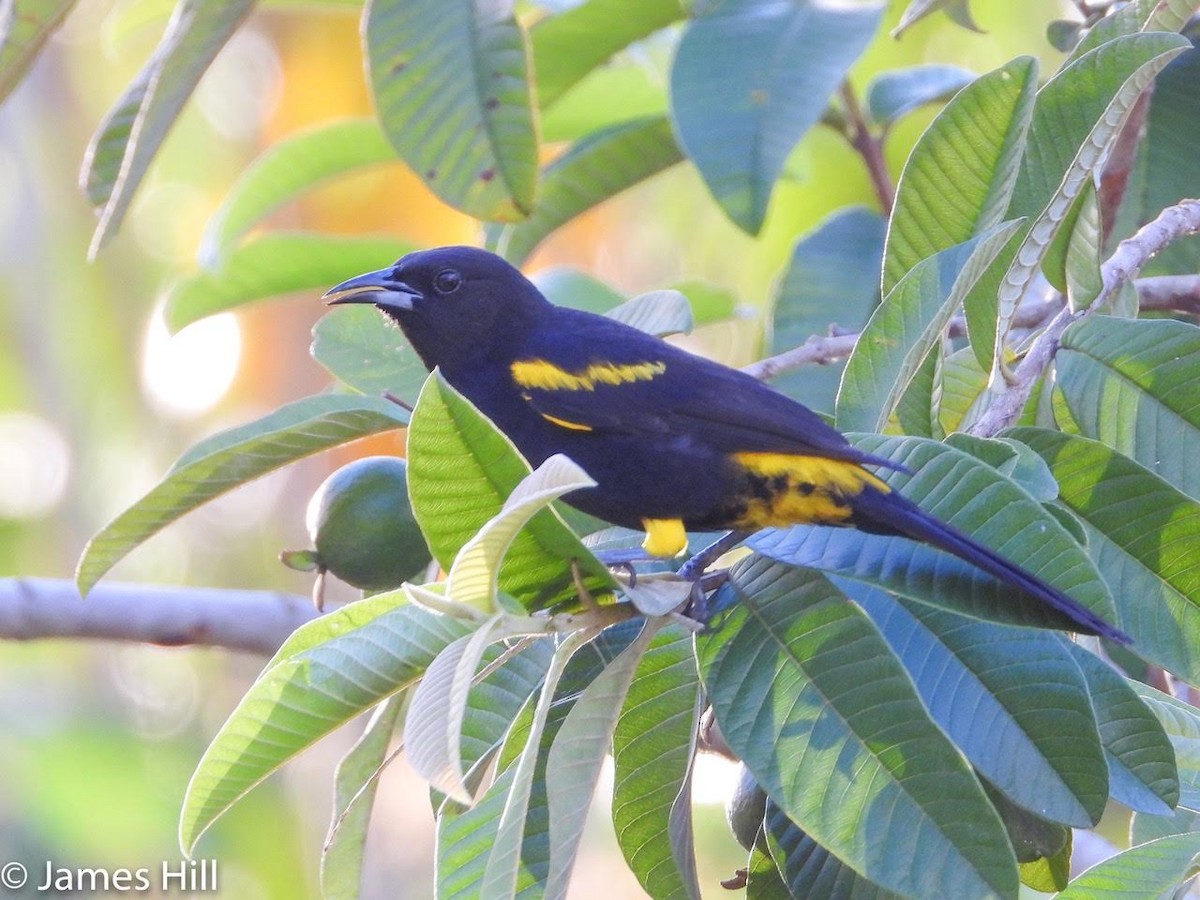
column 673, row 441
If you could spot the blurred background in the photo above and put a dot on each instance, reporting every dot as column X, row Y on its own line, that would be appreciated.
column 97, row 740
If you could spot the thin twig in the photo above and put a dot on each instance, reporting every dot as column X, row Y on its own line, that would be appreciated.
column 389, row 396
column 818, row 348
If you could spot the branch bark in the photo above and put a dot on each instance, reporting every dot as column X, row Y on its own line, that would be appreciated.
column 259, row 621
column 869, row 148
column 1123, row 266
column 250, row 621
column 1175, row 293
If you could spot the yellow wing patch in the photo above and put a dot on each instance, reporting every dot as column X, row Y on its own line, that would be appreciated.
column 538, row 373
column 563, row 423
column 802, row 489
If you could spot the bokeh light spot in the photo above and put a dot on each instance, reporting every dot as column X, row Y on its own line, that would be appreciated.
column 188, row 373
column 35, row 460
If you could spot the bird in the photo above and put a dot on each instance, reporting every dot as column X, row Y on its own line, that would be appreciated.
column 673, row 441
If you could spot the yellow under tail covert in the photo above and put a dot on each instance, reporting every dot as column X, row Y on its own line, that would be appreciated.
column 664, row 537
column 797, row 490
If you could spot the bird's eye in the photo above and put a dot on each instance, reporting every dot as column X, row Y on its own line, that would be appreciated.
column 447, row 281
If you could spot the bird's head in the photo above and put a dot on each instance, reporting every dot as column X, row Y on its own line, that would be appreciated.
column 453, row 303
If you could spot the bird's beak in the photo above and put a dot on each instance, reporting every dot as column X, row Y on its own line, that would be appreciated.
column 381, row 288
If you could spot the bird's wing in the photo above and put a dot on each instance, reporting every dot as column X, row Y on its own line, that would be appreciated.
column 604, row 376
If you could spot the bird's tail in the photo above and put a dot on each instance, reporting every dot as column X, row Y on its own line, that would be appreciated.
column 892, row 514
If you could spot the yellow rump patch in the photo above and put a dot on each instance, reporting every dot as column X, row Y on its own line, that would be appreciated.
column 538, row 373
column 664, row 537
column 563, row 423
column 803, row 489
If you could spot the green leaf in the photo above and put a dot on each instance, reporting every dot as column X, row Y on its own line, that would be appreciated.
column 354, row 787
column 225, row 461
column 568, row 46
column 658, row 312
column 475, row 573
column 1135, row 16
column 957, row 10
column 578, row 753
column 1031, row 731
column 809, row 695
column 976, row 499
column 1077, row 116
column 357, row 346
column 658, row 594
column 433, row 725
column 451, row 84
column 1181, row 721
column 329, row 671
column 1141, row 762
column 1144, row 536
column 275, row 264
column 566, row 286
column 626, row 88
column 298, row 163
column 460, row 472
column 129, row 136
column 1146, row 828
column 1048, row 874
column 1030, row 836
column 467, row 837
column 709, row 302
column 833, row 276
column 653, row 747
column 24, row 29
column 959, row 177
column 495, row 702
column 809, row 869
column 1132, row 385
column 502, row 875
column 894, row 94
column 1155, row 869
column 1073, row 258
column 914, row 413
column 962, row 383
column 749, row 79
column 907, row 325
column 1013, row 459
column 593, row 170
column 1171, row 173
column 763, row 878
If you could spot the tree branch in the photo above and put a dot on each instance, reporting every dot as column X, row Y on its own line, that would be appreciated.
column 1174, row 293
column 250, row 621
column 1122, row 267
column 869, row 148
column 818, row 348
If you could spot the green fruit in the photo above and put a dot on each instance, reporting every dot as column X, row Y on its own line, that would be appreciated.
column 746, row 807
column 362, row 525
